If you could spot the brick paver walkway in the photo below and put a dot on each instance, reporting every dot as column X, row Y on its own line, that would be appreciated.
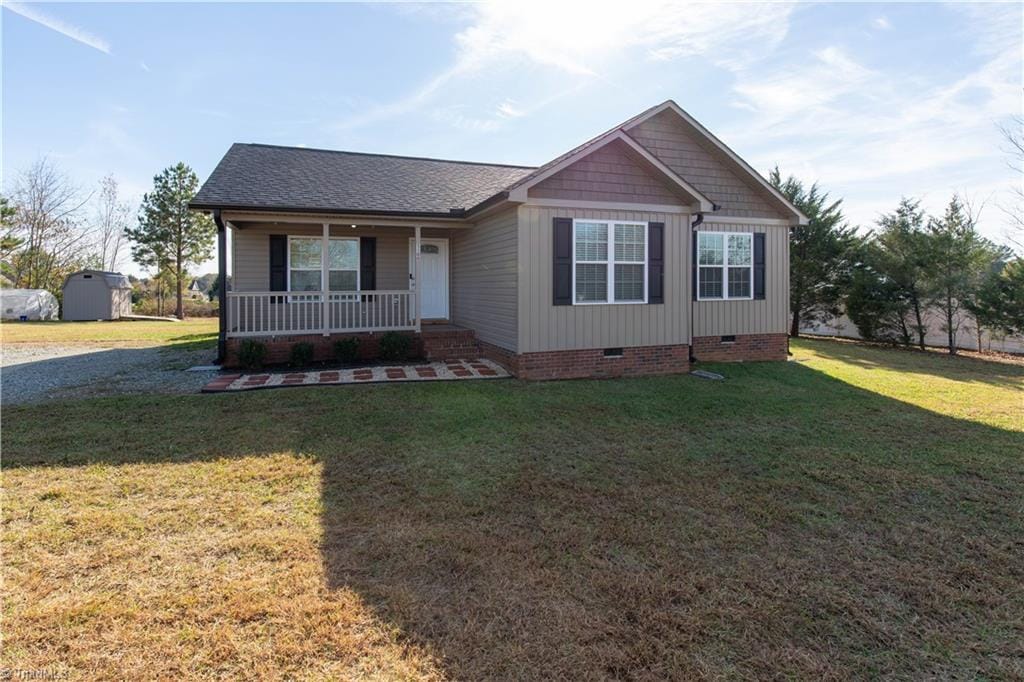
column 432, row 371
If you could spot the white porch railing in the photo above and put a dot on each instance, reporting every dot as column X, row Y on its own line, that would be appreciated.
column 270, row 313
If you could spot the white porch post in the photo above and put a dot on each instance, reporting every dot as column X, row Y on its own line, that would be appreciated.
column 325, row 279
column 416, row 279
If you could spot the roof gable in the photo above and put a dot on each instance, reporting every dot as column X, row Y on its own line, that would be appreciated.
column 680, row 187
column 613, row 173
column 684, row 144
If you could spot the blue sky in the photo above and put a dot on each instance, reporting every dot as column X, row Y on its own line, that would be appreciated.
column 873, row 101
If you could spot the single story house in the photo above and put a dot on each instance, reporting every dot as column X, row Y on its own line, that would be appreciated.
column 640, row 251
column 195, row 290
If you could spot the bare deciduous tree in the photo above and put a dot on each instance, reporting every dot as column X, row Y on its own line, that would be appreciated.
column 1013, row 207
column 113, row 217
column 47, row 222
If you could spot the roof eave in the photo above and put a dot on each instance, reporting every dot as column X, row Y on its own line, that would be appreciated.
column 488, row 203
column 447, row 215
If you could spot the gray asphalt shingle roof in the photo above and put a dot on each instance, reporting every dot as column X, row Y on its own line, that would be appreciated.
column 259, row 176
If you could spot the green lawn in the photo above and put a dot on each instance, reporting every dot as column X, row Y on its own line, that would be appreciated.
column 140, row 333
column 855, row 513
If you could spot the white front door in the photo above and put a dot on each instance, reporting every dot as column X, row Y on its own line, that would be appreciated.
column 433, row 282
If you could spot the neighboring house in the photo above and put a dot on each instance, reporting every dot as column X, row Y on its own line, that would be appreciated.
column 96, row 295
column 195, row 290
column 640, row 250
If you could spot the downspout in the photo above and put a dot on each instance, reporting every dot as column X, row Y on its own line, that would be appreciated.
column 697, row 222
column 693, row 294
column 222, row 287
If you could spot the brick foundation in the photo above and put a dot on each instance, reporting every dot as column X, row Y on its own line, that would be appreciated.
column 593, row 364
column 747, row 347
column 447, row 343
column 462, row 344
column 504, row 357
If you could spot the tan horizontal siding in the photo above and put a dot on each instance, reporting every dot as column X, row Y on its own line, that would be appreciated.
column 767, row 316
column 251, row 252
column 703, row 166
column 607, row 174
column 547, row 327
column 484, row 279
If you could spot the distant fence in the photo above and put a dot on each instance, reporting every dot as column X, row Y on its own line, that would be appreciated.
column 966, row 337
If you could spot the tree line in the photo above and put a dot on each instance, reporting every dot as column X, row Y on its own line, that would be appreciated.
column 888, row 279
column 50, row 228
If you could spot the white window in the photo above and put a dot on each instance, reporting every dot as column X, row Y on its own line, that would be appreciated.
column 609, row 262
column 725, row 265
column 304, row 264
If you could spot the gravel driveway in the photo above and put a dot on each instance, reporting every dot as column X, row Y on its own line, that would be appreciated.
column 38, row 372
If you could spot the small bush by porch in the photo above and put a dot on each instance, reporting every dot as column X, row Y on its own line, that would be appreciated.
column 435, row 343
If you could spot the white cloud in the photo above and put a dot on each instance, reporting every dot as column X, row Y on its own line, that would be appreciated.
column 782, row 94
column 456, row 118
column 870, row 135
column 510, row 37
column 76, row 33
column 881, row 23
column 509, row 109
column 145, row 67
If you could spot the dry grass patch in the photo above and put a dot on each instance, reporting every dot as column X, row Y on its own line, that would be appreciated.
column 201, row 569
column 134, row 333
column 842, row 516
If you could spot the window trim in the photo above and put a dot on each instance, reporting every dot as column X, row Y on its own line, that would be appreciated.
column 305, row 296
column 610, row 261
column 724, row 267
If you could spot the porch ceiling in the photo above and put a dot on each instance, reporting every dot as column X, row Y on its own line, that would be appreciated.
column 242, row 220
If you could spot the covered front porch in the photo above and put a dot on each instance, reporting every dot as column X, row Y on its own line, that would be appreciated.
column 329, row 275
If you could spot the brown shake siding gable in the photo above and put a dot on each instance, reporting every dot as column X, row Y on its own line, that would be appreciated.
column 670, row 139
column 608, row 174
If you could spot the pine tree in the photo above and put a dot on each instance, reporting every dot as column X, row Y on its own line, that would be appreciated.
column 903, row 248
column 958, row 259
column 169, row 236
column 820, row 253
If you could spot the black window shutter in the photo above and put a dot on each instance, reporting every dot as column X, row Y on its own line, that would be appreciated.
column 693, row 268
column 278, row 262
column 655, row 262
column 759, row 265
column 368, row 263
column 562, row 280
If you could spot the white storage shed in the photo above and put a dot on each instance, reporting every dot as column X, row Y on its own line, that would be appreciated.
column 96, row 295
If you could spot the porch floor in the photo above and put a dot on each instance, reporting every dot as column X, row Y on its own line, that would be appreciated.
column 452, row 370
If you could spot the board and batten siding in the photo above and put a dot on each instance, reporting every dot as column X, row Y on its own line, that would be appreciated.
column 767, row 316
column 485, row 279
column 681, row 149
column 250, row 255
column 547, row 327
